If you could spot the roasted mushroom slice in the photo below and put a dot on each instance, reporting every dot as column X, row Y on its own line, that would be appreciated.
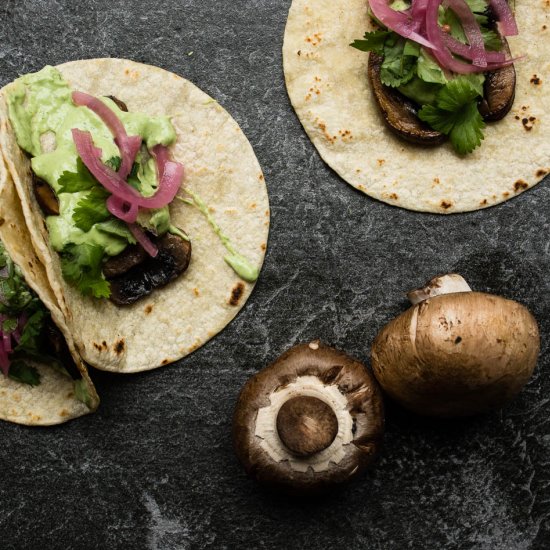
column 45, row 197
column 399, row 112
column 174, row 255
column 499, row 91
column 311, row 420
column 129, row 258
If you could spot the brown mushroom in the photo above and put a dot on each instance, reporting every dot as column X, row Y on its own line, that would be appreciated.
column 399, row 112
column 499, row 91
column 130, row 257
column 45, row 196
column 174, row 255
column 456, row 352
column 311, row 420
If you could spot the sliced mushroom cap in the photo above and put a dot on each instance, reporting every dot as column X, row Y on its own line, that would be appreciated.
column 311, row 420
column 172, row 260
column 45, row 196
column 399, row 112
column 499, row 91
column 456, row 354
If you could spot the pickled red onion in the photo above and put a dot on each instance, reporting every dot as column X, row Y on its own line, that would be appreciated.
column 420, row 24
column 128, row 145
column 143, row 240
column 168, row 186
column 506, row 21
column 400, row 22
column 125, row 211
column 471, row 30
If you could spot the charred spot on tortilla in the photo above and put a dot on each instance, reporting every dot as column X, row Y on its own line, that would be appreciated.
column 541, row 172
column 236, row 294
column 520, row 185
column 119, row 346
column 45, row 196
column 148, row 309
column 446, row 205
column 535, row 80
column 399, row 112
column 174, row 255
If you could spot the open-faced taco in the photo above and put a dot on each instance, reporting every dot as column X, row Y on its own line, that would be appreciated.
column 42, row 379
column 145, row 204
column 448, row 111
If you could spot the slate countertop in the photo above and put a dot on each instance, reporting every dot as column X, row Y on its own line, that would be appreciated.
column 154, row 468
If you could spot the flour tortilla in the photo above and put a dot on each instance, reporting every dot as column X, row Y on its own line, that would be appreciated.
column 328, row 86
column 53, row 401
column 220, row 166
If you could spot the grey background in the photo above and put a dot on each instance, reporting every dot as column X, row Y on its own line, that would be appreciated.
column 154, row 468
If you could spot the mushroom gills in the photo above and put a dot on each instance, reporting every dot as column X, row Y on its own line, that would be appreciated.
column 174, row 255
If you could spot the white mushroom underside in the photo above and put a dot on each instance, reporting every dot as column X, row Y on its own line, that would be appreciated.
column 266, row 424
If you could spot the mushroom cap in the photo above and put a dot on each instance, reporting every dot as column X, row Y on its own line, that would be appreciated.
column 457, row 354
column 346, row 378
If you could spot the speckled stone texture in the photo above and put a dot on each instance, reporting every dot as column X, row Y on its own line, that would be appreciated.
column 154, row 468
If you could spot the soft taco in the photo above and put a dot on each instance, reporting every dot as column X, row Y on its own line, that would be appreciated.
column 145, row 204
column 42, row 379
column 446, row 66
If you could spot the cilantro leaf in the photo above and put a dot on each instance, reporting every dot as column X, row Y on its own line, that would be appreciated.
column 114, row 163
column 491, row 39
column 9, row 325
column 81, row 265
column 456, row 94
column 372, row 42
column 91, row 209
column 31, row 337
column 22, row 372
column 456, row 114
column 399, row 62
column 81, row 180
column 477, row 6
column 429, row 70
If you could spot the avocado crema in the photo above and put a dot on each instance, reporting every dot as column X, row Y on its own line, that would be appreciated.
column 84, row 233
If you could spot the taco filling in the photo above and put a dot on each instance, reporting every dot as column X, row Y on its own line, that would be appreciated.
column 441, row 69
column 28, row 336
column 104, row 180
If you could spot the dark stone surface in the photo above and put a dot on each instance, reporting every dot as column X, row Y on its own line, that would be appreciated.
column 154, row 467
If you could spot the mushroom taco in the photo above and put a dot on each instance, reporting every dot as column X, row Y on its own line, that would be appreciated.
column 336, row 96
column 42, row 379
column 145, row 204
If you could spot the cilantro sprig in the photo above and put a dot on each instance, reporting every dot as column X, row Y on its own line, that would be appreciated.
column 456, row 115
column 447, row 104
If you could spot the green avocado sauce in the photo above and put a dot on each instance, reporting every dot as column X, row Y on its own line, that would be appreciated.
column 238, row 263
column 41, row 108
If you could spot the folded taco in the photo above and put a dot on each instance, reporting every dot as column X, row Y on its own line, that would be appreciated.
column 447, row 112
column 42, row 379
column 145, row 204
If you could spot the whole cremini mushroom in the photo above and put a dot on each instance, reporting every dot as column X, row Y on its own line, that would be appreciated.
column 311, row 420
column 456, row 352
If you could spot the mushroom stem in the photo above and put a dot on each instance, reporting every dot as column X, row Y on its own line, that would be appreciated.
column 306, row 425
column 442, row 284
